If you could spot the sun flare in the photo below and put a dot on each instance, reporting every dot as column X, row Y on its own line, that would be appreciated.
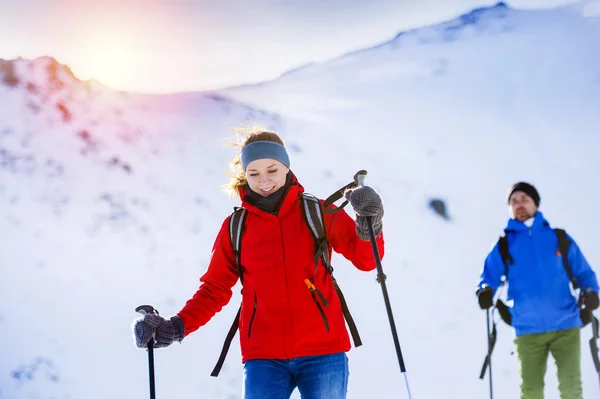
column 112, row 61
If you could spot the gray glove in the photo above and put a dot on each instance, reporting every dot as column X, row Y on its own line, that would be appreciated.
column 366, row 203
column 163, row 331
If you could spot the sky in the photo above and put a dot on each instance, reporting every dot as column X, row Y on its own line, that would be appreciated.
column 110, row 201
column 186, row 45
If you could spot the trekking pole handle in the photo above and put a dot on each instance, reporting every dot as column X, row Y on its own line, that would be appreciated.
column 146, row 309
column 359, row 177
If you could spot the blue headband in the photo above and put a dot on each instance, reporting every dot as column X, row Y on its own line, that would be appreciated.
column 262, row 150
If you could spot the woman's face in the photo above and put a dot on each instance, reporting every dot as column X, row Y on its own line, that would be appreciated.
column 265, row 176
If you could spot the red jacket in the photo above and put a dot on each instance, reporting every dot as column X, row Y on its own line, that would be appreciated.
column 279, row 318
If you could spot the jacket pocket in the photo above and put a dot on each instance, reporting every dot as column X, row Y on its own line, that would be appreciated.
column 253, row 315
column 314, row 290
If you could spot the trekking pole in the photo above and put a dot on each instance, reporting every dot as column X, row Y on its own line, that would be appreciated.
column 359, row 178
column 594, row 345
column 489, row 356
column 147, row 309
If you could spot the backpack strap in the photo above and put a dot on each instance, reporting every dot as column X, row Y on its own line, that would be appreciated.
column 237, row 221
column 236, row 224
column 230, row 334
column 505, row 254
column 563, row 247
column 314, row 215
column 507, row 260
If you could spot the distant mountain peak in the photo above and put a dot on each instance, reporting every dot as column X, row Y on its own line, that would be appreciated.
column 477, row 16
column 43, row 74
column 498, row 6
column 474, row 15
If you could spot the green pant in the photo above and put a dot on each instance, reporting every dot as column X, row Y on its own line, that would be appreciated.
column 533, row 350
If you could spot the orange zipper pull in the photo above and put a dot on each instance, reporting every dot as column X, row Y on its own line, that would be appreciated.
column 309, row 285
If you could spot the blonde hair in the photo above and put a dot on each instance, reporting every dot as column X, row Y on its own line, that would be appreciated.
column 243, row 137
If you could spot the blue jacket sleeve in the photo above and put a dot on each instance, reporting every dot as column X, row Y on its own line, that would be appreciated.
column 582, row 271
column 493, row 270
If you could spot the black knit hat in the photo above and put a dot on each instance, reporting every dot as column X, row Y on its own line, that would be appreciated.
column 527, row 189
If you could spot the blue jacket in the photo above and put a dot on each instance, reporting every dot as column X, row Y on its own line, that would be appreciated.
column 538, row 284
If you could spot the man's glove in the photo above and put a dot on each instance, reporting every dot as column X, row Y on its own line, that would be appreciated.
column 590, row 299
column 366, row 203
column 163, row 331
column 486, row 297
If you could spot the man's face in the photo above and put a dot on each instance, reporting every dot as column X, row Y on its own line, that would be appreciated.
column 522, row 206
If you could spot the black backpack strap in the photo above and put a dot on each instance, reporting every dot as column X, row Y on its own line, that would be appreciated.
column 505, row 254
column 232, row 331
column 314, row 215
column 563, row 247
column 237, row 221
column 236, row 225
column 507, row 260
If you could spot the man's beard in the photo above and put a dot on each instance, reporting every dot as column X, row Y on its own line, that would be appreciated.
column 522, row 215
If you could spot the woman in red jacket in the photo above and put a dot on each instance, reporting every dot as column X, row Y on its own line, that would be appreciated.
column 287, row 339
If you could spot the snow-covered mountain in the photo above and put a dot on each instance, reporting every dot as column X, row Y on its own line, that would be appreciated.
column 109, row 200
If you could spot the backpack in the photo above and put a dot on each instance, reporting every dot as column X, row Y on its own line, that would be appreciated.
column 313, row 212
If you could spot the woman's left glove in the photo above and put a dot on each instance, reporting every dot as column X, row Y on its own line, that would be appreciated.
column 366, row 202
column 164, row 332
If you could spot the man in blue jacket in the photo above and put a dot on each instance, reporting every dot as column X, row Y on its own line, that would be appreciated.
column 545, row 314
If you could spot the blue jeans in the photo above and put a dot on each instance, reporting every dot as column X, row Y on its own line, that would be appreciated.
column 317, row 377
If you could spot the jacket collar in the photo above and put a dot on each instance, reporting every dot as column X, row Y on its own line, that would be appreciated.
column 538, row 222
column 287, row 203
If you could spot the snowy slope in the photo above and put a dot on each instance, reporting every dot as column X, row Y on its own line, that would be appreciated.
column 109, row 200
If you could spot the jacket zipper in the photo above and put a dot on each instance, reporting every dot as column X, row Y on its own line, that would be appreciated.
column 537, row 261
column 312, row 290
column 252, row 318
